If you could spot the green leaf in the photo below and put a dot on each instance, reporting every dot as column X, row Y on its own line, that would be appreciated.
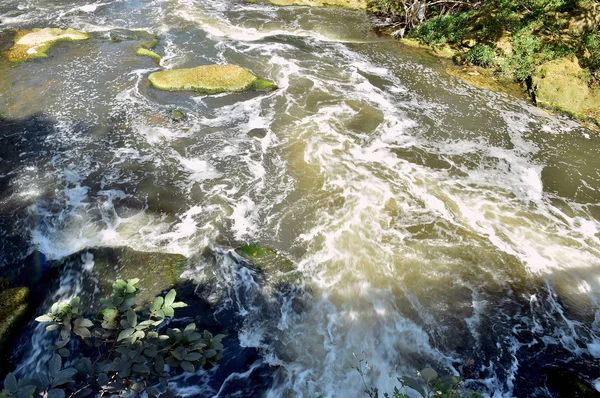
column 83, row 322
column 429, row 375
column 63, row 352
column 82, row 332
column 209, row 353
column 141, row 368
column 187, row 367
column 131, row 317
column 157, row 304
column 207, row 336
column 190, row 327
column 10, row 383
column 193, row 356
column 26, row 391
column 414, row 384
column 45, row 318
column 159, row 364
column 169, row 311
column 56, row 393
column 178, row 304
column 125, row 334
column 54, row 365
column 75, row 301
column 151, row 352
column 51, row 328
column 170, row 298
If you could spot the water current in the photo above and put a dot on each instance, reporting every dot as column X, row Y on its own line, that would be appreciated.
column 434, row 223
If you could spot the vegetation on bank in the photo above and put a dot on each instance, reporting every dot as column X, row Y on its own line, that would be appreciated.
column 518, row 39
column 123, row 349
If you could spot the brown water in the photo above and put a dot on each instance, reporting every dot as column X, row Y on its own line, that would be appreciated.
column 433, row 222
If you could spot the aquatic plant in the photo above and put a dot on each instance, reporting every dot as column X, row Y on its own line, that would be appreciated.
column 125, row 349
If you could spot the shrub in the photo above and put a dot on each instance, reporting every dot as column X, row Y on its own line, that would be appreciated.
column 132, row 355
column 442, row 29
column 481, row 55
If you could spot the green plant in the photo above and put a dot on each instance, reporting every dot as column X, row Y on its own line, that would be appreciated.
column 427, row 383
column 442, row 29
column 481, row 55
column 130, row 354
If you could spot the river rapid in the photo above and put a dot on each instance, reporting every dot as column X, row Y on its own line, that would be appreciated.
column 434, row 223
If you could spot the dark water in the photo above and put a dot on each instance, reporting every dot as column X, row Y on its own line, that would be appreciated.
column 435, row 224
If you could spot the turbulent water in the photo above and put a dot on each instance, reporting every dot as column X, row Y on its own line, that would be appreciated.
column 434, row 223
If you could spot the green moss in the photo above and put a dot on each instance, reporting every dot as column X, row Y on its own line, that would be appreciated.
column 263, row 85
column 208, row 79
column 276, row 269
column 559, row 84
column 13, row 307
column 156, row 271
column 143, row 52
column 31, row 44
column 177, row 115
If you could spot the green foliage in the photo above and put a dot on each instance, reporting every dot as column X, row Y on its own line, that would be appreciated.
column 591, row 54
column 443, row 29
column 427, row 383
column 134, row 356
column 481, row 55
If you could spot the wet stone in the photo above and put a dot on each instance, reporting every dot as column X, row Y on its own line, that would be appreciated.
column 257, row 133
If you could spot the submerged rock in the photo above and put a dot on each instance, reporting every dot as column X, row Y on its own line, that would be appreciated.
column 209, row 79
column 559, row 84
column 351, row 4
column 144, row 52
column 14, row 304
column 569, row 384
column 30, row 44
column 177, row 115
column 148, row 40
column 156, row 271
column 275, row 268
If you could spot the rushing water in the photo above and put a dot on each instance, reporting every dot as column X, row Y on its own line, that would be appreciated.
column 434, row 223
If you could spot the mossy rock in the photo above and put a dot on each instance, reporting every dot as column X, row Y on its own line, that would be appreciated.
column 560, row 84
column 156, row 271
column 147, row 39
column 350, row 4
column 274, row 267
column 31, row 44
column 144, row 52
column 177, row 115
column 14, row 304
column 209, row 79
column 568, row 384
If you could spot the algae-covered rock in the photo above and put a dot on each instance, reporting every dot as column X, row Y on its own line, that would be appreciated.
column 560, row 84
column 14, row 304
column 274, row 267
column 177, row 115
column 569, row 384
column 156, row 271
column 147, row 40
column 209, row 79
column 351, row 4
column 30, row 44
column 144, row 52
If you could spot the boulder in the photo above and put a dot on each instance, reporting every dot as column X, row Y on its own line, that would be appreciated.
column 209, row 79
column 30, row 44
column 156, row 271
column 14, row 304
column 560, row 84
column 273, row 267
column 148, row 40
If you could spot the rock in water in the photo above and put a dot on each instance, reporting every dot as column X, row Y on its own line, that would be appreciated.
column 156, row 271
column 30, row 44
column 13, row 306
column 209, row 79
column 144, row 52
column 275, row 268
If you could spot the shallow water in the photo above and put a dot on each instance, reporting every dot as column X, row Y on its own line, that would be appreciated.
column 434, row 223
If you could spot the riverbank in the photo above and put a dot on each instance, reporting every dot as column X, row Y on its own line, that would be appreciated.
column 550, row 48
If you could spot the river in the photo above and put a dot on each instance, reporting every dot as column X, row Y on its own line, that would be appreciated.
column 434, row 223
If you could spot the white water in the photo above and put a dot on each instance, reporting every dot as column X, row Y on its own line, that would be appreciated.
column 416, row 207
